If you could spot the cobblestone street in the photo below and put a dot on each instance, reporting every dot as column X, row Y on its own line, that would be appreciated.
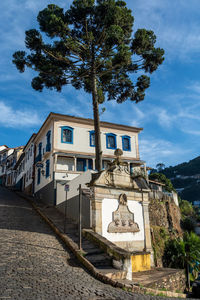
column 35, row 265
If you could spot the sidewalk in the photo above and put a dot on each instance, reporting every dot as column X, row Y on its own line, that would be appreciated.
column 98, row 263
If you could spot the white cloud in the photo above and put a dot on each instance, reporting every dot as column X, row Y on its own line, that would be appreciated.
column 193, row 132
column 194, row 87
column 175, row 23
column 155, row 151
column 17, row 118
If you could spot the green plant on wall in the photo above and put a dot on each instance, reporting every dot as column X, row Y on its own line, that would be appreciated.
column 183, row 253
column 163, row 179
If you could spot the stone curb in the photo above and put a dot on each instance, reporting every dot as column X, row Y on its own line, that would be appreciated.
column 98, row 275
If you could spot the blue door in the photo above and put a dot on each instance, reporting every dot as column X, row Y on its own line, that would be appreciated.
column 81, row 164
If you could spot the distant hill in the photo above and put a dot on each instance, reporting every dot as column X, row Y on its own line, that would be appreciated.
column 185, row 178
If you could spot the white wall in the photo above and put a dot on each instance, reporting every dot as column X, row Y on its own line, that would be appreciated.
column 66, row 176
column 43, row 180
column 111, row 205
column 81, row 139
column 65, row 164
column 29, row 160
column 43, row 139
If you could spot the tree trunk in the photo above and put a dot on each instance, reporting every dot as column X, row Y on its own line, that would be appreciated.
column 96, row 122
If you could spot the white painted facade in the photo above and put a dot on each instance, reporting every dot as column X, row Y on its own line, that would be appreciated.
column 4, row 154
column 111, row 205
column 28, row 162
column 67, row 160
column 81, row 139
column 42, row 156
column 10, row 166
column 20, row 171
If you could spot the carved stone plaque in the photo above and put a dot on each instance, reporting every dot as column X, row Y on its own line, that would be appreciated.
column 123, row 219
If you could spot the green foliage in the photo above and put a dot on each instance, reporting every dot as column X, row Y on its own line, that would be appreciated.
column 160, row 236
column 186, row 169
column 186, row 208
column 90, row 37
column 163, row 179
column 188, row 224
column 191, row 193
column 90, row 46
column 183, row 253
column 184, row 250
column 180, row 182
column 188, row 216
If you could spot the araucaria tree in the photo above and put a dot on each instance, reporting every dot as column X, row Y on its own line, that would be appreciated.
column 90, row 46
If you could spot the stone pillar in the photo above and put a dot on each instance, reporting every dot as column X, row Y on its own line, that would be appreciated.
column 97, row 215
column 55, row 162
column 75, row 164
column 93, row 164
column 147, row 232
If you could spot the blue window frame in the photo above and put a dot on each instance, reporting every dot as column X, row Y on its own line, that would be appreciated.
column 90, row 164
column 48, row 145
column 40, row 149
column 47, row 168
column 39, row 156
column 38, row 176
column 67, row 134
column 92, row 138
column 111, row 142
column 126, row 143
column 81, row 164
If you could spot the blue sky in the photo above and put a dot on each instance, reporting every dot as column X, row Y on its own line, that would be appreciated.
column 170, row 113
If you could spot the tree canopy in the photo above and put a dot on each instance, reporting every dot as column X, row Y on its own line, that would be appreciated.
column 163, row 179
column 183, row 253
column 90, row 46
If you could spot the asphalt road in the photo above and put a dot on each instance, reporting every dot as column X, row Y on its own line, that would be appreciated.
column 34, row 265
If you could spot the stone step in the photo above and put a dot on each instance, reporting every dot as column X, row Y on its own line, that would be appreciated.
column 113, row 273
column 100, row 260
column 91, row 251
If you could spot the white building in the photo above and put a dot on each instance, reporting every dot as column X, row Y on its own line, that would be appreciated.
column 25, row 168
column 5, row 152
column 10, row 165
column 65, row 148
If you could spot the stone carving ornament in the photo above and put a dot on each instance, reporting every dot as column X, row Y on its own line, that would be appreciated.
column 123, row 219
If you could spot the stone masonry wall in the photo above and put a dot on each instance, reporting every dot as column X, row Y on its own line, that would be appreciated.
column 165, row 213
column 165, row 219
column 173, row 282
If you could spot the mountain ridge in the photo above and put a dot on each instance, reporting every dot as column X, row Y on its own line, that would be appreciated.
column 185, row 178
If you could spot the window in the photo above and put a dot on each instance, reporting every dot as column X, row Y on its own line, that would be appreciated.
column 81, row 164
column 67, row 134
column 126, row 143
column 90, row 164
column 48, row 145
column 92, row 138
column 111, row 141
column 39, row 156
column 47, row 168
column 38, row 176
